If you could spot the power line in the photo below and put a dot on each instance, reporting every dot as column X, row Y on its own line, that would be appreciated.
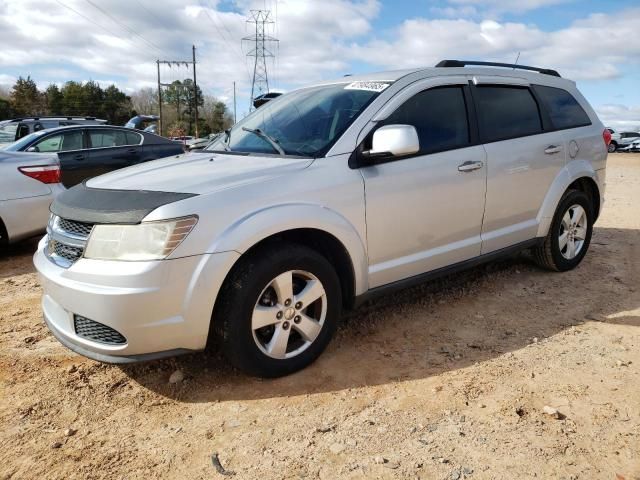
column 150, row 12
column 122, row 25
column 95, row 23
column 231, row 48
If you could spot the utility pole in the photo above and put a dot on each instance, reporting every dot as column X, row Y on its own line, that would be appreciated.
column 260, row 42
column 159, row 99
column 195, row 85
column 234, row 103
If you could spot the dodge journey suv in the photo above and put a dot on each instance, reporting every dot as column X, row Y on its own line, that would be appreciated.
column 317, row 201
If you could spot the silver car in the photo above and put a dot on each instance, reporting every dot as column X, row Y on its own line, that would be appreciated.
column 319, row 200
column 28, row 184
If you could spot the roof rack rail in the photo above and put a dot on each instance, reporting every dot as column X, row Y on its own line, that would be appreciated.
column 464, row 63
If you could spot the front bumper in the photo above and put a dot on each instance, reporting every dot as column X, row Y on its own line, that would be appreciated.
column 162, row 308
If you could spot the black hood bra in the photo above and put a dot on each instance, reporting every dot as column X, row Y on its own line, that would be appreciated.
column 97, row 205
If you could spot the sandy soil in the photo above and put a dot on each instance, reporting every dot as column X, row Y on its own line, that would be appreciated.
column 445, row 381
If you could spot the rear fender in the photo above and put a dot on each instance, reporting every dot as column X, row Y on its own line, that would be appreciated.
column 570, row 173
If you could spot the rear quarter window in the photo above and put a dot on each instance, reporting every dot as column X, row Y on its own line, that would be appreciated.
column 506, row 112
column 564, row 110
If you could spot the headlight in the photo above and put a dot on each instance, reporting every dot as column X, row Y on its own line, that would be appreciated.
column 145, row 241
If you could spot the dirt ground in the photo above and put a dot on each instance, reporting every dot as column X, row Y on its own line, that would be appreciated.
column 444, row 381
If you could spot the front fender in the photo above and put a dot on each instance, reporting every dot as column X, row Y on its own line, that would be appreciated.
column 263, row 223
column 570, row 173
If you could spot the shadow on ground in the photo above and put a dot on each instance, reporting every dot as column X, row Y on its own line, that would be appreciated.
column 16, row 259
column 443, row 325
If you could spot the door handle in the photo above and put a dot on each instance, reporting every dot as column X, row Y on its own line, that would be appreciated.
column 470, row 166
column 551, row 149
column 132, row 150
column 79, row 156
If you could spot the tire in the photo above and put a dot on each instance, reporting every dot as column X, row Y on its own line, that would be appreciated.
column 612, row 147
column 254, row 294
column 552, row 254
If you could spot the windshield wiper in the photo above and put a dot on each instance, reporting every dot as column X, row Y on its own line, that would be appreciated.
column 272, row 141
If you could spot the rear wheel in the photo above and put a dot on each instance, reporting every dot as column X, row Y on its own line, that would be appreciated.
column 569, row 236
column 612, row 147
column 278, row 310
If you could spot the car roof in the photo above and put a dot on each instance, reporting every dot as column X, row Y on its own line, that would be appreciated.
column 394, row 75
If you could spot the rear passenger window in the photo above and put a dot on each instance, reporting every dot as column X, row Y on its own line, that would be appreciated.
column 564, row 110
column 506, row 112
column 101, row 138
column 133, row 138
column 439, row 116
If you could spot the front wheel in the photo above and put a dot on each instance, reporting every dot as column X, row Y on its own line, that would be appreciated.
column 569, row 236
column 611, row 147
column 278, row 310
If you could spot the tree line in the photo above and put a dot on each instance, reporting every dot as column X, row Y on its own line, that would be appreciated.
column 86, row 99
column 73, row 98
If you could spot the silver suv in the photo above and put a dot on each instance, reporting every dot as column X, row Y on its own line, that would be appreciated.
column 319, row 200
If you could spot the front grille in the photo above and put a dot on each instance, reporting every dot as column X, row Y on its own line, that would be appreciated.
column 97, row 332
column 75, row 228
column 67, row 252
column 67, row 240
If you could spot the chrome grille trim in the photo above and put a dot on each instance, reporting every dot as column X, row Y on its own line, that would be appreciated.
column 66, row 240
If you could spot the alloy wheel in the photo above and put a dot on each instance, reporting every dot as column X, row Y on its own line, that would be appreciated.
column 289, row 314
column 573, row 231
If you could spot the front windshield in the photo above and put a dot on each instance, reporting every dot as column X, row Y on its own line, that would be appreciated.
column 8, row 132
column 304, row 122
column 24, row 141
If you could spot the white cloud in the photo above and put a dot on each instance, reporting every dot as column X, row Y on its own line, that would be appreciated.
column 493, row 7
column 620, row 116
column 588, row 49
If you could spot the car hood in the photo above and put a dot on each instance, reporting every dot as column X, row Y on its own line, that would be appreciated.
column 199, row 173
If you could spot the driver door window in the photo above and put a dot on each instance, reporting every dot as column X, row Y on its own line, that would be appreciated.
column 439, row 116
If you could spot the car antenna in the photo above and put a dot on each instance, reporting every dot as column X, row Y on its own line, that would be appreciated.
column 516, row 62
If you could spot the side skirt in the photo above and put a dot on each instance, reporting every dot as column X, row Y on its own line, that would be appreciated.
column 441, row 272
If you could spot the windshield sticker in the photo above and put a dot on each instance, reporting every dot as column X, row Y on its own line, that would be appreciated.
column 369, row 86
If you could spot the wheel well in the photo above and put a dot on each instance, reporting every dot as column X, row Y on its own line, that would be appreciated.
column 590, row 187
column 326, row 245
column 4, row 235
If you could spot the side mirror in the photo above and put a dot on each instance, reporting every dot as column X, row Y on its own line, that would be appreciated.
column 395, row 141
column 33, row 149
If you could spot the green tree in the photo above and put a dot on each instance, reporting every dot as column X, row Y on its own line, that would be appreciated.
column 54, row 100
column 174, row 96
column 190, row 102
column 72, row 98
column 92, row 99
column 116, row 106
column 6, row 112
column 25, row 97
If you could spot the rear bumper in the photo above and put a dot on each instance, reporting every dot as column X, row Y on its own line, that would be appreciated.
column 161, row 308
column 26, row 217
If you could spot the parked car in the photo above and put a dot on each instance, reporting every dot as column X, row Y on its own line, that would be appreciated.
column 86, row 152
column 143, row 122
column 634, row 146
column 201, row 143
column 317, row 202
column 620, row 140
column 36, row 168
column 15, row 129
column 28, row 184
column 264, row 98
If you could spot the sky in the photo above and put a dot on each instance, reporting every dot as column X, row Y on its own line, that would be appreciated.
column 595, row 43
